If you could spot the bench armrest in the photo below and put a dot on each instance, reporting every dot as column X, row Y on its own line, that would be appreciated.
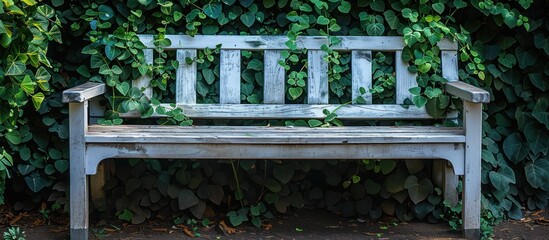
column 468, row 92
column 83, row 92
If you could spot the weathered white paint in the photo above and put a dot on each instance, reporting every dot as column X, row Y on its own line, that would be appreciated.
column 91, row 145
column 449, row 151
column 450, row 65
column 247, row 42
column 83, row 92
column 361, row 74
column 297, row 111
column 79, row 210
column 208, row 128
column 468, row 92
column 267, row 135
column 229, row 76
column 451, row 181
column 97, row 182
column 404, row 79
column 472, row 114
column 144, row 82
column 185, row 81
column 274, row 78
column 317, row 77
column 443, row 175
column 95, row 111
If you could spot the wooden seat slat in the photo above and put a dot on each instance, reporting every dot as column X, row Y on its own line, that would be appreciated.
column 265, row 135
column 96, row 128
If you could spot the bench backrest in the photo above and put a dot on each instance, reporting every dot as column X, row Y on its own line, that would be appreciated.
column 273, row 106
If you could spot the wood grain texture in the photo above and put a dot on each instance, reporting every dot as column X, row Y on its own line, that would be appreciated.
column 468, row 92
column 83, row 92
column 443, row 175
column 451, row 182
column 95, row 110
column 450, row 65
column 404, row 79
column 274, row 78
column 462, row 147
column 472, row 114
column 97, row 182
column 268, row 135
column 317, row 77
column 144, row 82
column 361, row 73
column 450, row 72
column 185, row 81
column 450, row 151
column 79, row 234
column 229, row 91
column 258, row 42
column 448, row 178
column 296, row 111
column 208, row 128
column 78, row 203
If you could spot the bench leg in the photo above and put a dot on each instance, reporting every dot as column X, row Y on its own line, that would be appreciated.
column 78, row 181
column 97, row 183
column 443, row 175
column 471, row 184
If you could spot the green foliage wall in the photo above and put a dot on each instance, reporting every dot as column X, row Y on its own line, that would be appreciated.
column 504, row 49
column 26, row 28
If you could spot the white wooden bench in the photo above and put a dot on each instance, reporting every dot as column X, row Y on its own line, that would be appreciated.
column 90, row 144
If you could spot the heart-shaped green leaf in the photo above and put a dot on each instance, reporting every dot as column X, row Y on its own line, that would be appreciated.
column 295, row 92
column 283, row 173
column 186, row 199
column 418, row 190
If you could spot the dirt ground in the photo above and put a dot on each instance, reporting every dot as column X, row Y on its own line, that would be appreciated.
column 303, row 224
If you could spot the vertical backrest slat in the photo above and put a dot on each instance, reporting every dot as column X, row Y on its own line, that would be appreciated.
column 229, row 76
column 404, row 79
column 317, row 77
column 144, row 82
column 273, row 87
column 450, row 65
column 450, row 68
column 361, row 65
column 185, row 81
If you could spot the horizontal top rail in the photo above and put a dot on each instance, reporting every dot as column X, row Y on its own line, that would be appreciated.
column 269, row 42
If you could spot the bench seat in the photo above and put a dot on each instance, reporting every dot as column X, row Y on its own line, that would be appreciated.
column 265, row 142
column 272, row 135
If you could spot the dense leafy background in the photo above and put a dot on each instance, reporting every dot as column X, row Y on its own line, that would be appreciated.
column 26, row 28
column 504, row 49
